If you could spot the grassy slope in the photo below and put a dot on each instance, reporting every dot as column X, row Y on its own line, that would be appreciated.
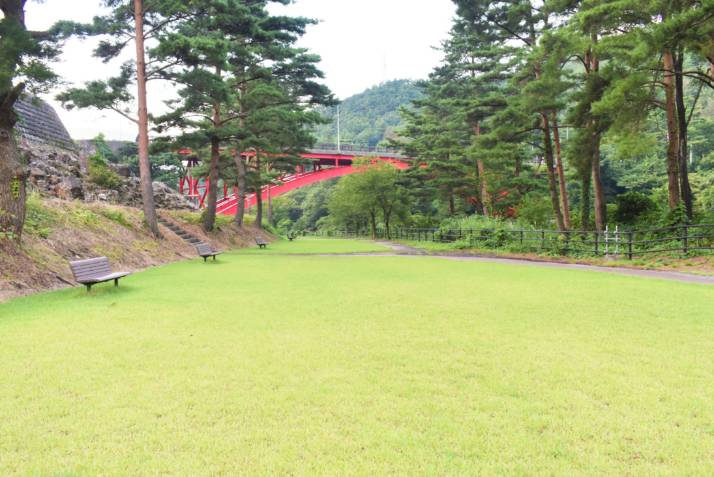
column 307, row 365
column 59, row 231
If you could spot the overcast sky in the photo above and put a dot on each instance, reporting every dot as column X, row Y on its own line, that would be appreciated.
column 362, row 43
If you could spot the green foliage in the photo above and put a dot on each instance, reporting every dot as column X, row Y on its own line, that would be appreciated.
column 371, row 117
column 536, row 210
column 101, row 174
column 40, row 219
column 303, row 209
column 631, row 206
column 361, row 200
column 116, row 215
column 83, row 217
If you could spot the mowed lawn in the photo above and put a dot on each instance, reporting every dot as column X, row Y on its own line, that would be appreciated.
column 270, row 364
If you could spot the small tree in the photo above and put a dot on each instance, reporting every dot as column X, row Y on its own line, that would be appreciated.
column 368, row 196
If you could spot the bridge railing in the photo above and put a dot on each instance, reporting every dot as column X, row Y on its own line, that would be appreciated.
column 356, row 148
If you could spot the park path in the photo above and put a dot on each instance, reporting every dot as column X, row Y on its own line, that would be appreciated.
column 401, row 250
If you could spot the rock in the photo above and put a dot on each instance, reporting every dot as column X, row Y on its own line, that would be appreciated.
column 37, row 173
column 54, row 171
column 58, row 172
column 71, row 188
column 122, row 170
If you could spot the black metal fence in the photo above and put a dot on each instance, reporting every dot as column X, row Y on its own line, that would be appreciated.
column 626, row 243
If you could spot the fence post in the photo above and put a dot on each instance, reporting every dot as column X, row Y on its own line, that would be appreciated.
column 542, row 239
column 521, row 238
column 630, row 236
column 685, row 238
column 597, row 239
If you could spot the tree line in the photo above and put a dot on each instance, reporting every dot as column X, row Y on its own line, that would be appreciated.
column 241, row 85
column 623, row 79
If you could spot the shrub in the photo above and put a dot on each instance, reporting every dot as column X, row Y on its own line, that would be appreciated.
column 631, row 206
column 101, row 174
column 535, row 210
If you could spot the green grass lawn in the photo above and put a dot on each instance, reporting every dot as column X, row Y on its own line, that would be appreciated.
column 312, row 365
column 317, row 245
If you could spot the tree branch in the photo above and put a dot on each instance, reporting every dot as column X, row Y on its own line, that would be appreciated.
column 125, row 115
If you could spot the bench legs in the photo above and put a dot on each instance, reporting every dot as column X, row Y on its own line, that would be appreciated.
column 89, row 285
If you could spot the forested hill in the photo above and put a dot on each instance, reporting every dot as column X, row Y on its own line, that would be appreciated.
column 371, row 116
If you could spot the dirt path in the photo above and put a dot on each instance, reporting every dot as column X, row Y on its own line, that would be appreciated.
column 676, row 276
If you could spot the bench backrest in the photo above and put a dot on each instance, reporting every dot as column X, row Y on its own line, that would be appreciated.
column 260, row 241
column 204, row 249
column 89, row 269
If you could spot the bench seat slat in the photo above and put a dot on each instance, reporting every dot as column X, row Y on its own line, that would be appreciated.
column 205, row 250
column 94, row 270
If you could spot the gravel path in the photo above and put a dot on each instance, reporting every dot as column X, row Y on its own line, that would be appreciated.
column 676, row 276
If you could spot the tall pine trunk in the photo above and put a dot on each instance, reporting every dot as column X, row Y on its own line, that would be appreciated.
column 600, row 205
column 585, row 199
column 550, row 165
column 258, row 196
column 684, row 186
column 483, row 189
column 147, row 189
column 209, row 215
column 598, row 192
column 561, row 172
column 672, row 130
column 240, row 160
column 240, row 209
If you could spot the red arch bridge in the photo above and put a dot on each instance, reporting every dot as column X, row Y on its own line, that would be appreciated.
column 326, row 162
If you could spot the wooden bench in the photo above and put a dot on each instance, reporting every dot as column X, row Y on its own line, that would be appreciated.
column 95, row 270
column 260, row 241
column 204, row 250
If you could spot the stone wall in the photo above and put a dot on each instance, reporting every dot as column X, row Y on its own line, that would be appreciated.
column 38, row 123
column 57, row 172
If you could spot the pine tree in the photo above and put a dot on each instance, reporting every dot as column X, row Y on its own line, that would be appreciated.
column 130, row 22
column 23, row 70
column 226, row 46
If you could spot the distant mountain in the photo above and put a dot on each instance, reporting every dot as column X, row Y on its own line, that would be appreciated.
column 369, row 117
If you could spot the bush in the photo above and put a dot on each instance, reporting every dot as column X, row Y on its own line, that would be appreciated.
column 535, row 210
column 632, row 206
column 101, row 174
